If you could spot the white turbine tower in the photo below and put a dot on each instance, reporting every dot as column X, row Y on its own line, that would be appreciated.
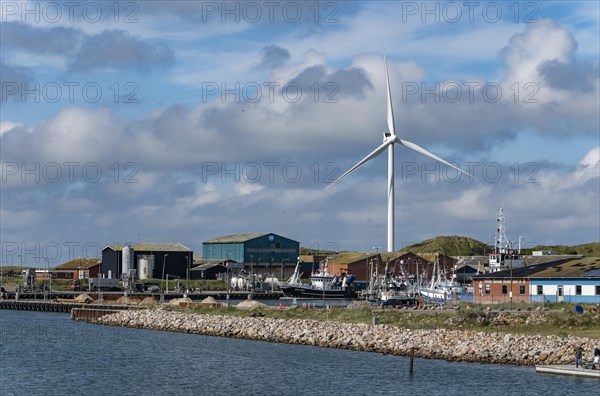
column 389, row 139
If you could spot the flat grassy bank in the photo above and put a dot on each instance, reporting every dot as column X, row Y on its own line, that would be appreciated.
column 556, row 320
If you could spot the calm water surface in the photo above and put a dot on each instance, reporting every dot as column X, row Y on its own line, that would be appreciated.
column 49, row 354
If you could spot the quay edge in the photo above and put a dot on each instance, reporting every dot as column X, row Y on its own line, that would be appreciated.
column 450, row 345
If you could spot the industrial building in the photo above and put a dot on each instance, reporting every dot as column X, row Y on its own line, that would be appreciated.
column 81, row 268
column 574, row 281
column 362, row 264
column 149, row 260
column 210, row 271
column 254, row 250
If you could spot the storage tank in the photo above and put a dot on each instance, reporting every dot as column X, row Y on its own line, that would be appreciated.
column 127, row 260
column 145, row 267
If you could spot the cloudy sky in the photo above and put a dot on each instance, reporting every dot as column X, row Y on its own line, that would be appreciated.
column 184, row 121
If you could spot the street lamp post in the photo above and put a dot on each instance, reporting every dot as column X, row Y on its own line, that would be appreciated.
column 227, row 276
column 172, row 277
column 271, row 272
column 376, row 248
column 255, row 273
column 48, row 275
column 511, row 281
column 252, row 268
column 163, row 270
column 282, row 268
column 187, row 275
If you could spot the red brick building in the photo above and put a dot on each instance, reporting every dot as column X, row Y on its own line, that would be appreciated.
column 361, row 264
column 506, row 286
column 396, row 262
column 79, row 268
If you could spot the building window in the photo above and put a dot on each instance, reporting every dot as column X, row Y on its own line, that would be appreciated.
column 578, row 290
column 487, row 289
column 522, row 289
column 540, row 289
column 598, row 290
column 504, row 289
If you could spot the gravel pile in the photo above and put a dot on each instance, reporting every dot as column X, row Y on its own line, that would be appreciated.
column 148, row 301
column 176, row 301
column 84, row 298
column 251, row 305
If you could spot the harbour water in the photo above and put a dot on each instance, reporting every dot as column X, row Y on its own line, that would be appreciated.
column 49, row 354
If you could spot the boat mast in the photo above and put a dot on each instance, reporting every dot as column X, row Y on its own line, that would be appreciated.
column 502, row 244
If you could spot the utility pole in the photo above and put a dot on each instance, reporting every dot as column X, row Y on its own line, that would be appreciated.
column 252, row 269
column 163, row 269
column 282, row 268
column 187, row 273
column 511, row 279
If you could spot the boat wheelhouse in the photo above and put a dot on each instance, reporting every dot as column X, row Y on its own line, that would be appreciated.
column 504, row 256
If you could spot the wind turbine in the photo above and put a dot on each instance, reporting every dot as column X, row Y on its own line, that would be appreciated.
column 389, row 139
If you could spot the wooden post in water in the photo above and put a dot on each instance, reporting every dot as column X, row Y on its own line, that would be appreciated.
column 412, row 357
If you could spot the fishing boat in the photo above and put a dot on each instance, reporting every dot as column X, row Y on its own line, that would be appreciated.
column 504, row 256
column 391, row 290
column 322, row 285
column 396, row 292
column 441, row 288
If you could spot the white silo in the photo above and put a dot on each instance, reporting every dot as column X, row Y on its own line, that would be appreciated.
column 127, row 260
column 145, row 265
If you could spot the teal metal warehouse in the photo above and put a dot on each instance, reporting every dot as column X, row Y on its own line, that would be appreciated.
column 251, row 248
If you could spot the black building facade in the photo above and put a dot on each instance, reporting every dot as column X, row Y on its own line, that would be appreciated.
column 172, row 259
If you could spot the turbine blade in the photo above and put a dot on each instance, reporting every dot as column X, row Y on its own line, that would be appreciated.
column 421, row 150
column 390, row 111
column 369, row 157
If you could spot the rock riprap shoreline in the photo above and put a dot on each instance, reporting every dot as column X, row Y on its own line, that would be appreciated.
column 451, row 345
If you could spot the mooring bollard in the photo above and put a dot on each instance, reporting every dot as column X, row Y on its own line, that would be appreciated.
column 375, row 320
column 412, row 357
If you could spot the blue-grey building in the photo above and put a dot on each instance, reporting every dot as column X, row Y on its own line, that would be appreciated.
column 576, row 281
column 252, row 248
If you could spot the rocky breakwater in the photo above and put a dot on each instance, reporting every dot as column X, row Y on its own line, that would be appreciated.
column 451, row 345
